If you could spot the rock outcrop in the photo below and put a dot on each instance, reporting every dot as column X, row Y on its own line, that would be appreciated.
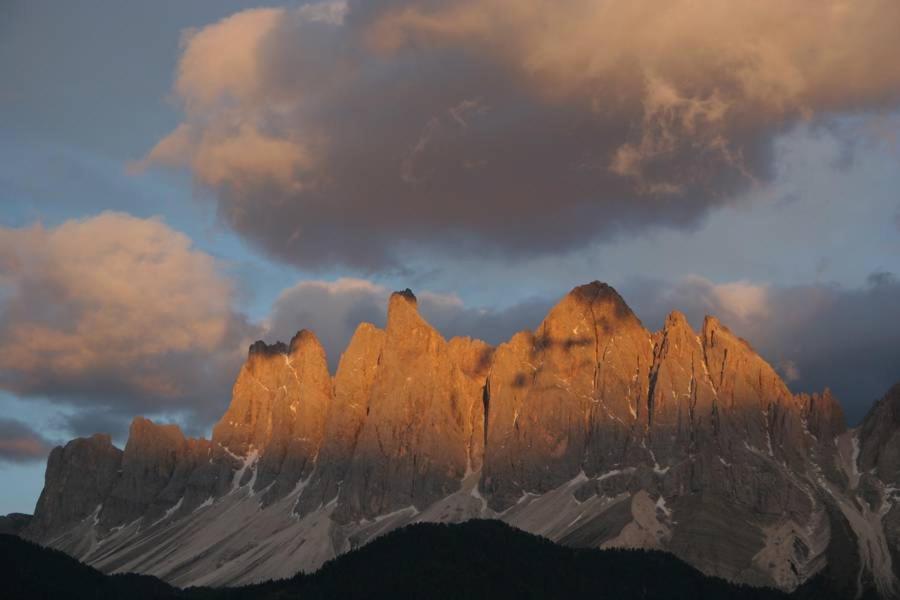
column 80, row 477
column 567, row 397
column 681, row 410
column 879, row 435
column 877, row 444
column 276, row 419
column 356, row 374
column 413, row 448
column 589, row 430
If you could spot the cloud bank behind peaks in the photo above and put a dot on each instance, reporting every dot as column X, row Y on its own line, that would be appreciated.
column 334, row 309
column 347, row 133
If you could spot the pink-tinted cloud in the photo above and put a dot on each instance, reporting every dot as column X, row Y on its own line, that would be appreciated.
column 19, row 443
column 114, row 310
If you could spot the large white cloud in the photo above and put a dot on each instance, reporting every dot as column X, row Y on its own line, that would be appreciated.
column 350, row 133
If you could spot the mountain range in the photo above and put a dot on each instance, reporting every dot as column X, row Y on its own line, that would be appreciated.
column 591, row 431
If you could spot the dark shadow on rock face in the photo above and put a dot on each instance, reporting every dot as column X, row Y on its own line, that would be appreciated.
column 484, row 359
column 520, row 380
column 545, row 342
column 260, row 348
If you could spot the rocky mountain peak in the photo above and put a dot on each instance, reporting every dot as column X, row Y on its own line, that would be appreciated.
column 151, row 456
column 79, row 477
column 261, row 349
column 414, row 446
column 879, row 438
column 823, row 413
column 406, row 294
column 276, row 418
column 682, row 399
column 567, row 398
column 586, row 318
column 676, row 320
column 144, row 436
column 737, row 371
column 600, row 299
column 589, row 430
column 100, row 440
column 403, row 314
column 593, row 290
column 356, row 374
column 304, row 341
column 712, row 331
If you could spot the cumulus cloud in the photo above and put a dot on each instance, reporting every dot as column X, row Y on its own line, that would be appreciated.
column 789, row 370
column 737, row 304
column 816, row 335
column 19, row 443
column 349, row 132
column 333, row 310
column 116, row 312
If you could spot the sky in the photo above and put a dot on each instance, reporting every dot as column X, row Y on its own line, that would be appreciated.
column 179, row 179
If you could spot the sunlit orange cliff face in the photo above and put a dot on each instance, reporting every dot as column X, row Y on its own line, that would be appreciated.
column 590, row 430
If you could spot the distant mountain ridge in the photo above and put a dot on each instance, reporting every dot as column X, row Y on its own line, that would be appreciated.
column 591, row 431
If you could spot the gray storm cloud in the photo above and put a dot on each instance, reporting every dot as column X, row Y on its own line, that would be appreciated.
column 351, row 133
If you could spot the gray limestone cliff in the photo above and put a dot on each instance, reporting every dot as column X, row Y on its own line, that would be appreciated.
column 590, row 430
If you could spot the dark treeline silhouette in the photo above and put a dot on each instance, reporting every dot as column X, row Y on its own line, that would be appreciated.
column 476, row 559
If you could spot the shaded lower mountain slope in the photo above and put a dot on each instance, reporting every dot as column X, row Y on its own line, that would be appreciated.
column 475, row 559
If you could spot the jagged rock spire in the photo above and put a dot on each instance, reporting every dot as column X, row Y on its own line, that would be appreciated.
column 681, row 397
column 413, row 447
column 279, row 405
column 79, row 478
